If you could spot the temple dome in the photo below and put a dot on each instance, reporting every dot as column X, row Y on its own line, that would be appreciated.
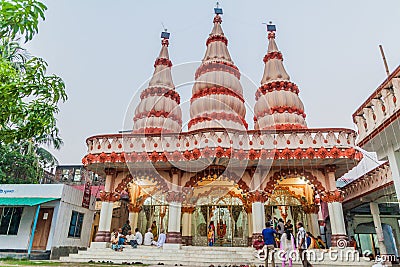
column 158, row 110
column 217, row 95
column 278, row 105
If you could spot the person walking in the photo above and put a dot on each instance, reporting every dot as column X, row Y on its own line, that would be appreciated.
column 287, row 246
column 302, row 244
column 269, row 240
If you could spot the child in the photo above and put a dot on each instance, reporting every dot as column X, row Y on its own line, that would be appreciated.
column 210, row 237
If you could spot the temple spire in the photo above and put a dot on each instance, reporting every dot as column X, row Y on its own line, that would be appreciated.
column 158, row 110
column 278, row 105
column 217, row 95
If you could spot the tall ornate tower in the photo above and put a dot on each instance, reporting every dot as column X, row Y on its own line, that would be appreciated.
column 217, row 95
column 158, row 110
column 278, row 105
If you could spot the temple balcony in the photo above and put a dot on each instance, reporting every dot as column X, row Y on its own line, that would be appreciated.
column 316, row 148
column 374, row 185
column 377, row 118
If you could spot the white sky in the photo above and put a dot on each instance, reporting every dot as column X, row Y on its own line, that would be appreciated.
column 105, row 51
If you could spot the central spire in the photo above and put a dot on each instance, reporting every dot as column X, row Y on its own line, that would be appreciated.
column 217, row 95
column 278, row 105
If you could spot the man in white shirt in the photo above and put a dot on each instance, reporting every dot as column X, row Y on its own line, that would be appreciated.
column 302, row 244
column 148, row 238
column 161, row 239
column 139, row 237
column 131, row 239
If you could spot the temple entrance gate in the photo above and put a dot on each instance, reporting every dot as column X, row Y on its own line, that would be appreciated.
column 229, row 218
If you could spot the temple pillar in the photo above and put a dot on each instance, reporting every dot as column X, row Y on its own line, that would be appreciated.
column 249, row 212
column 258, row 213
column 133, row 216
column 312, row 218
column 108, row 197
column 339, row 237
column 174, row 237
column 334, row 198
column 187, row 225
column 258, row 218
column 378, row 227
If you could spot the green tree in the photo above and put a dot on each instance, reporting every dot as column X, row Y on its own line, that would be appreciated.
column 29, row 97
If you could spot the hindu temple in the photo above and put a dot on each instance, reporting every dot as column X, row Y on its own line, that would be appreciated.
column 219, row 170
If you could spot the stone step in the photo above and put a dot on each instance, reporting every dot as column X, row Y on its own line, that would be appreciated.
column 185, row 253
column 153, row 260
column 190, row 256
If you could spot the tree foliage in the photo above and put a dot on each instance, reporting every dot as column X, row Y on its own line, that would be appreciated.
column 29, row 97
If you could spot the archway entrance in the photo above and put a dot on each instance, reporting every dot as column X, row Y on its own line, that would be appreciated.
column 286, row 205
column 229, row 217
column 294, row 198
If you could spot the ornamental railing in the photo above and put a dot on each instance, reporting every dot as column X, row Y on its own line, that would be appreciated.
column 379, row 109
column 296, row 144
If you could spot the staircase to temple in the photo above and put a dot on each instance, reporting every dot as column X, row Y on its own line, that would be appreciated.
column 190, row 256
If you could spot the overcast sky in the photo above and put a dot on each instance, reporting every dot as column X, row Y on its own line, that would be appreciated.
column 105, row 51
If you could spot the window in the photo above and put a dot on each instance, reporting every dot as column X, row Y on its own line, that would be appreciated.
column 77, row 176
column 9, row 220
column 75, row 226
column 65, row 175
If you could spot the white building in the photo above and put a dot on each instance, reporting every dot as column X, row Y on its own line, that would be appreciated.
column 54, row 212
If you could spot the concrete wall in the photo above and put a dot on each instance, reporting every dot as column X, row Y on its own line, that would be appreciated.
column 61, row 244
column 21, row 240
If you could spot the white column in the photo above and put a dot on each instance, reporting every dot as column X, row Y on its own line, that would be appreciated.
column 106, row 216
column 250, row 223
column 258, row 217
column 394, row 163
column 332, row 218
column 133, row 219
column 314, row 225
column 174, row 237
column 340, row 227
column 103, row 233
column 378, row 227
column 187, row 225
column 174, row 217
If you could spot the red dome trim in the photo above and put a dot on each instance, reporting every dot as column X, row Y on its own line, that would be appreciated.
column 217, row 38
column 284, row 127
column 161, row 91
column 282, row 109
column 276, row 86
column 216, row 91
column 155, row 113
column 217, row 66
column 218, row 116
column 273, row 55
column 152, row 130
column 163, row 61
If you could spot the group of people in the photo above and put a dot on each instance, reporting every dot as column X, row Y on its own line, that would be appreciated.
column 280, row 235
column 124, row 236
